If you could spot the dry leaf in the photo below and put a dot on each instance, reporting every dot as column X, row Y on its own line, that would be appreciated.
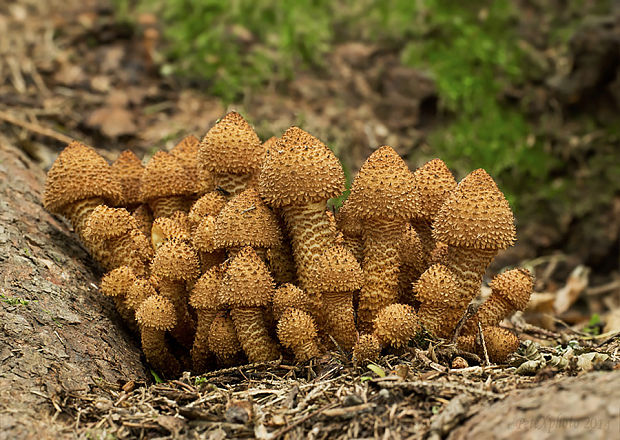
column 575, row 284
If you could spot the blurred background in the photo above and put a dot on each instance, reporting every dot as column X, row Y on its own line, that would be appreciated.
column 527, row 89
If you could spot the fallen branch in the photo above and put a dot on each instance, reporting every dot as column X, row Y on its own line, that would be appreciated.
column 35, row 128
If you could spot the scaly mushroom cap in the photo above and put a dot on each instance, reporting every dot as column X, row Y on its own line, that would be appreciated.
column 410, row 249
column 80, row 173
column 164, row 176
column 107, row 223
column 209, row 204
column 433, row 183
column 167, row 228
column 475, row 215
column 396, row 324
column 117, row 282
column 231, row 146
column 515, row 286
column 187, row 151
column 222, row 338
column 270, row 143
column 500, row 343
column 367, row 348
column 247, row 221
column 247, row 282
column 297, row 331
column 129, row 169
column 156, row 312
column 140, row 290
column 144, row 219
column 300, row 169
column 335, row 270
column 383, row 187
column 176, row 261
column 346, row 221
column 204, row 235
column 437, row 286
column 204, row 293
column 289, row 296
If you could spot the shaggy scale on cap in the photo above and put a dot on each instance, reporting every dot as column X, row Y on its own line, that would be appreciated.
column 129, row 169
column 396, row 324
column 367, row 348
column 177, row 261
column 297, row 331
column 187, row 152
column 289, row 296
column 141, row 289
column 209, row 204
column 166, row 228
column 223, row 341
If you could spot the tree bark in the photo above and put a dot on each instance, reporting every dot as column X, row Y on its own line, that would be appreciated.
column 58, row 334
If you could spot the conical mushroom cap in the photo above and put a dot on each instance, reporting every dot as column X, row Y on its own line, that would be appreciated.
column 156, row 312
column 187, row 151
column 290, row 296
column 167, row 228
column 383, row 188
column 300, row 169
column 335, row 270
column 436, row 286
column 140, row 290
column 80, row 173
column 247, row 221
column 106, row 223
column 175, row 261
column 204, row 293
column 347, row 222
column 433, row 183
column 117, row 282
column 367, row 348
column 204, row 235
column 247, row 282
column 231, row 146
column 515, row 286
column 209, row 204
column 500, row 343
column 164, row 176
column 129, row 169
column 297, row 331
column 396, row 324
column 475, row 215
column 222, row 337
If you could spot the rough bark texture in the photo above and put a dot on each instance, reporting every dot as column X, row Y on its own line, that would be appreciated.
column 58, row 334
column 581, row 407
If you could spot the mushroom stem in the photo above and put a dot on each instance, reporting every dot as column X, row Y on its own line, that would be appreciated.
column 253, row 334
column 166, row 206
column 381, row 268
column 468, row 266
column 340, row 317
column 233, row 184
column 157, row 353
column 78, row 213
column 200, row 349
column 184, row 329
column 427, row 242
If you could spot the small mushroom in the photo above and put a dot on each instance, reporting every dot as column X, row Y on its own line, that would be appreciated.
column 223, row 341
column 500, row 343
column 297, row 331
column 187, row 152
column 156, row 316
column 129, row 169
column 352, row 232
column 116, row 284
column 247, row 289
column 176, row 227
column 289, row 296
column 367, row 348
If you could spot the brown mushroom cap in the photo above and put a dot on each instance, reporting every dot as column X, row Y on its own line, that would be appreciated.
column 204, row 293
column 437, row 285
column 117, row 282
column 515, row 286
column 396, row 324
column 203, row 238
column 367, row 348
column 187, row 151
column 347, row 222
column 383, row 187
column 247, row 221
column 222, row 337
column 107, row 223
column 247, row 282
column 290, row 296
column 297, row 331
column 335, row 270
column 209, row 204
column 500, row 343
column 300, row 169
column 129, row 169
column 231, row 146
column 175, row 260
column 80, row 173
column 166, row 228
column 410, row 248
column 140, row 290
column 433, row 183
column 156, row 312
column 165, row 175
column 475, row 215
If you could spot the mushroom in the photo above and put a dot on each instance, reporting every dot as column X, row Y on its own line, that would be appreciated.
column 232, row 152
column 156, row 316
column 204, row 300
column 367, row 348
column 209, row 204
column 223, row 341
column 298, row 176
column 382, row 200
column 499, row 342
column 187, row 152
column 475, row 222
column 79, row 181
column 440, row 306
column 246, row 221
column 432, row 183
column 115, row 240
column 116, row 284
column 352, row 232
column 144, row 219
column 247, row 289
column 337, row 274
column 141, row 289
column 175, row 265
column 174, row 227
column 166, row 185
column 129, row 169
column 510, row 291
column 297, row 331
column 412, row 262
column 289, row 296
column 203, row 240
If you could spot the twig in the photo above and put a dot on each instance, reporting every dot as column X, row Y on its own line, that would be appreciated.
column 35, row 128
column 471, row 311
column 484, row 345
column 298, row 422
column 599, row 290
column 431, row 388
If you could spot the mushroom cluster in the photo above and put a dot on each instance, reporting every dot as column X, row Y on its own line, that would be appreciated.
column 223, row 250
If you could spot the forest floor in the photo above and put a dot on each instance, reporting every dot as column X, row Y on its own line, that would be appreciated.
column 69, row 70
